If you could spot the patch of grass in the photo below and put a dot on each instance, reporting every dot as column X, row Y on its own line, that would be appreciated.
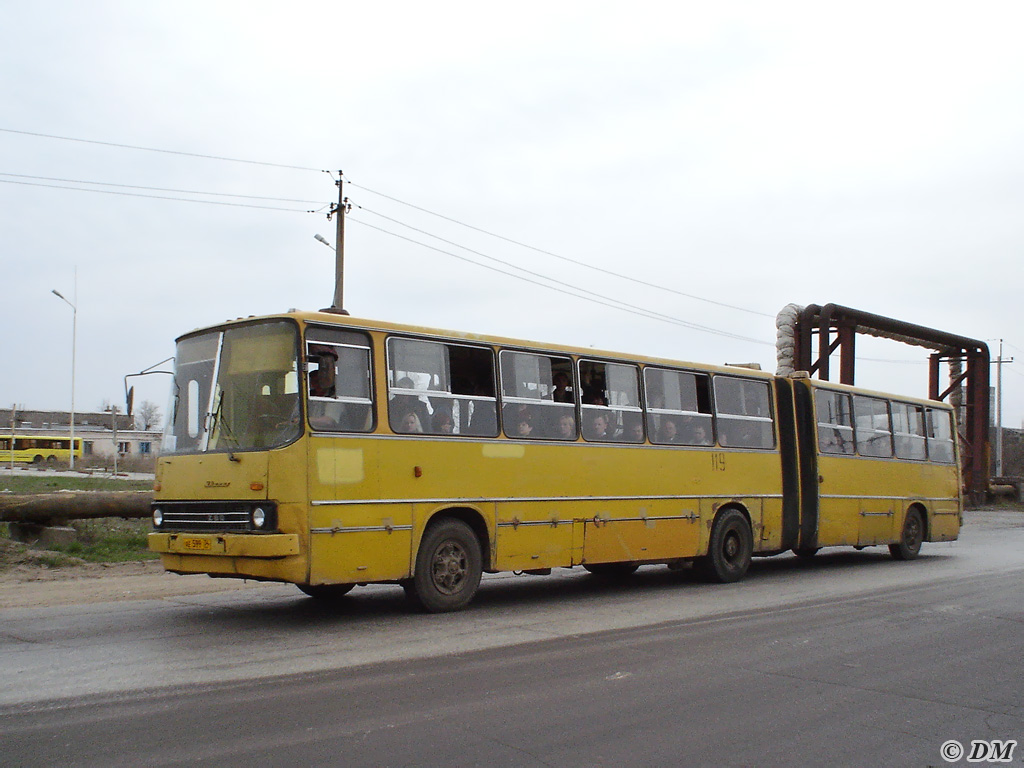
column 14, row 554
column 41, row 483
column 104, row 540
column 110, row 540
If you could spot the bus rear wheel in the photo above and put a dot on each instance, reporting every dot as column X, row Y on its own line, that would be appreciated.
column 326, row 592
column 449, row 565
column 909, row 545
column 729, row 550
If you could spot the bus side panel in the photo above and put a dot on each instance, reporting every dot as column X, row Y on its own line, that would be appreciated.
column 624, row 531
column 946, row 508
column 354, row 537
column 532, row 535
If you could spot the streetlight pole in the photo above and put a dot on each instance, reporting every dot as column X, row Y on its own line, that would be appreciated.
column 74, row 341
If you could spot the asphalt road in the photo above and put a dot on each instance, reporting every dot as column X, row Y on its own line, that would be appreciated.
column 850, row 659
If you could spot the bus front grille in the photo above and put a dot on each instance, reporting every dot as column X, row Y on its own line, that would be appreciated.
column 213, row 516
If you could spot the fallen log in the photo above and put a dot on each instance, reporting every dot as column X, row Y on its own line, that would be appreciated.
column 58, row 508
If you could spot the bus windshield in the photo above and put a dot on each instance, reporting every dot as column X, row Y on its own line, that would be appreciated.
column 235, row 389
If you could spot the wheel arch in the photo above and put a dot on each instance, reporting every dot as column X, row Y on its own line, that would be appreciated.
column 922, row 510
column 471, row 517
column 739, row 506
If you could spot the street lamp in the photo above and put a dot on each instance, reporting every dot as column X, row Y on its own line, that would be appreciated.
column 74, row 337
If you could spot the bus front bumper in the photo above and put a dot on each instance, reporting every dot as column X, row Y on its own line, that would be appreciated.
column 268, row 545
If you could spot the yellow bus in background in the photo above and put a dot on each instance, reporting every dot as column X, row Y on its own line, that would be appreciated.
column 329, row 452
column 38, row 449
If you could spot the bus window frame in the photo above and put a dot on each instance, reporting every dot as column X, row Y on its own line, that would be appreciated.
column 543, row 403
column 393, row 392
column 720, row 416
column 614, row 413
column 702, row 418
column 370, row 401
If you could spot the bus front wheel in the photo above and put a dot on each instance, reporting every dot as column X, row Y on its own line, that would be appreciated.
column 449, row 565
column 909, row 545
column 729, row 550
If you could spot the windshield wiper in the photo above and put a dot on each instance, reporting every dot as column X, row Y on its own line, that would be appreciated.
column 217, row 420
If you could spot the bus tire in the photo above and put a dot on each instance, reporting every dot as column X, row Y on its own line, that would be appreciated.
column 449, row 565
column 326, row 592
column 909, row 545
column 37, row 459
column 806, row 553
column 612, row 570
column 730, row 549
column 51, row 461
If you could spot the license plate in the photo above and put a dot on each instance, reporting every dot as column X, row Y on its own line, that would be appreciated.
column 200, row 545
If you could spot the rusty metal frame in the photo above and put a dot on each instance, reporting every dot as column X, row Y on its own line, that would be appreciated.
column 845, row 323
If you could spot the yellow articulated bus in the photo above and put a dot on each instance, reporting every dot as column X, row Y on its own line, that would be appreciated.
column 331, row 452
column 38, row 449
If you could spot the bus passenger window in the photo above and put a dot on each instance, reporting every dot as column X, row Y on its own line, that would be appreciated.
column 678, row 407
column 835, row 422
column 539, row 396
column 611, row 402
column 338, row 375
column 441, row 389
column 743, row 410
column 873, row 432
column 908, row 431
column 940, row 436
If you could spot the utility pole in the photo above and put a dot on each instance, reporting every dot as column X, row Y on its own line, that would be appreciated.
column 339, row 210
column 14, row 411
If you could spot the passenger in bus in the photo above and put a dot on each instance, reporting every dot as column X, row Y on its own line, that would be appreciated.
column 599, row 424
column 632, row 428
column 403, row 403
column 410, row 424
column 441, row 422
column 566, row 426
column 693, row 432
column 669, row 431
column 483, row 418
column 561, row 392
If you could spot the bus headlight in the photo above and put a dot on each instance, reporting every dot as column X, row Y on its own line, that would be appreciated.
column 158, row 517
column 259, row 517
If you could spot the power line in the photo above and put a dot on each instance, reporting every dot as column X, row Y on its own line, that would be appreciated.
column 163, row 151
column 592, row 297
column 564, row 258
column 155, row 197
column 160, row 189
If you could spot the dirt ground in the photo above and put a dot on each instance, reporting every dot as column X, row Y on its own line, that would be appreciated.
column 31, row 586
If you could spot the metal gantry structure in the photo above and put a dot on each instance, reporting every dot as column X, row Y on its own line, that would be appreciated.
column 836, row 328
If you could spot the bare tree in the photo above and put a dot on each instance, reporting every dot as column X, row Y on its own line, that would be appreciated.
column 147, row 416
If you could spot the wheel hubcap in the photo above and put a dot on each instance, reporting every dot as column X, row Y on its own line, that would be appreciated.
column 450, row 567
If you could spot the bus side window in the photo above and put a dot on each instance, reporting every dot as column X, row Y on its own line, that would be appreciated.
column 538, row 396
column 438, row 388
column 611, row 402
column 743, row 413
column 873, row 431
column 678, row 407
column 338, row 380
column 908, row 431
column 835, row 422
column 940, row 436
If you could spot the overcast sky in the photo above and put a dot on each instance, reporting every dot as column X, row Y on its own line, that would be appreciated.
column 735, row 157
